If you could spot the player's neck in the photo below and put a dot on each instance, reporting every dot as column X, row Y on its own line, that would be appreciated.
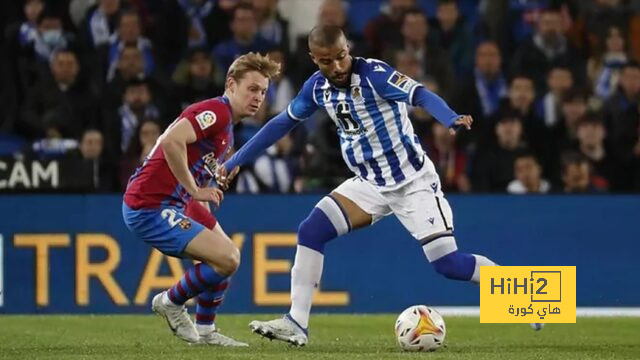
column 236, row 115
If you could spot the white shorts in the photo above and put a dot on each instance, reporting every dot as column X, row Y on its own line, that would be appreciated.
column 419, row 205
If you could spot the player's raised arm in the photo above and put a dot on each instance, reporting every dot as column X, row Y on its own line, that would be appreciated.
column 174, row 145
column 394, row 85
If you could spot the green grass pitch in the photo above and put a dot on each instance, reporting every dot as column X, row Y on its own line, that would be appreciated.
column 332, row 337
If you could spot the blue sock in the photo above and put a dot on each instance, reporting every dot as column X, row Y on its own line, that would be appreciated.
column 325, row 222
column 198, row 279
column 456, row 265
column 209, row 302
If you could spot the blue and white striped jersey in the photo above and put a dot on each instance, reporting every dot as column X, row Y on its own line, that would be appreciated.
column 376, row 135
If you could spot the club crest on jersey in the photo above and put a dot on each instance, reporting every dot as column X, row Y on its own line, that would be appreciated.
column 210, row 163
column 206, row 119
column 356, row 93
column 400, row 81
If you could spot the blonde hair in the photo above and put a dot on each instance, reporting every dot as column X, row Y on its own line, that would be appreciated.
column 253, row 62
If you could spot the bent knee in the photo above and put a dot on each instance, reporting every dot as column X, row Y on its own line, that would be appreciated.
column 229, row 263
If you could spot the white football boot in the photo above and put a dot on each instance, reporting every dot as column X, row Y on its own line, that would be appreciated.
column 284, row 329
column 213, row 337
column 177, row 318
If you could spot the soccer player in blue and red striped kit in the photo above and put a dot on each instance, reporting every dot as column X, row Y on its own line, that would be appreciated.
column 166, row 201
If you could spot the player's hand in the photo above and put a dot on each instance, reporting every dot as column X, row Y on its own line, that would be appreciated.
column 223, row 178
column 463, row 121
column 214, row 195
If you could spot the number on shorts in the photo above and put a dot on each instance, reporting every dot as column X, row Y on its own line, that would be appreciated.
column 171, row 216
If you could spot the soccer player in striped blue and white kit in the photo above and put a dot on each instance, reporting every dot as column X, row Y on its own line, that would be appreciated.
column 367, row 99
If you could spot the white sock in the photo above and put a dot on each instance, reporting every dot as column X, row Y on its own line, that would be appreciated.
column 305, row 276
column 480, row 261
column 166, row 300
column 205, row 329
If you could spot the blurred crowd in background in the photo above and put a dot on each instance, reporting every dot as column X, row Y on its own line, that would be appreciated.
column 553, row 86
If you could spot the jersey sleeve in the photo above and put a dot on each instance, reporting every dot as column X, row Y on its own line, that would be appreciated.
column 390, row 83
column 207, row 118
column 303, row 105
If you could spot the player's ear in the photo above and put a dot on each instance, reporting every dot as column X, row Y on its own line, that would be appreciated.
column 230, row 85
column 313, row 58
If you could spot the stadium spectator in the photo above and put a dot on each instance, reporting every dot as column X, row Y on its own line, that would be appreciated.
column 50, row 36
column 280, row 90
column 527, row 174
column 194, row 79
column 245, row 38
column 91, row 144
column 449, row 161
column 272, row 172
column 382, row 32
column 432, row 59
column 129, row 33
column 573, row 109
column 522, row 94
column 451, row 32
column 492, row 169
column 100, row 22
column 591, row 136
column 147, row 133
column 271, row 26
column 61, row 91
column 521, row 101
column 120, row 125
column 194, row 24
column 559, row 80
column 576, row 174
column 625, row 97
column 548, row 47
column 34, row 56
column 480, row 94
column 88, row 168
column 25, row 32
column 322, row 166
column 407, row 63
column 331, row 12
column 604, row 69
column 511, row 22
column 598, row 16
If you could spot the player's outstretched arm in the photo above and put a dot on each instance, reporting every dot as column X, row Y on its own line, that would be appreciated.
column 275, row 128
column 435, row 105
column 393, row 85
column 174, row 145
